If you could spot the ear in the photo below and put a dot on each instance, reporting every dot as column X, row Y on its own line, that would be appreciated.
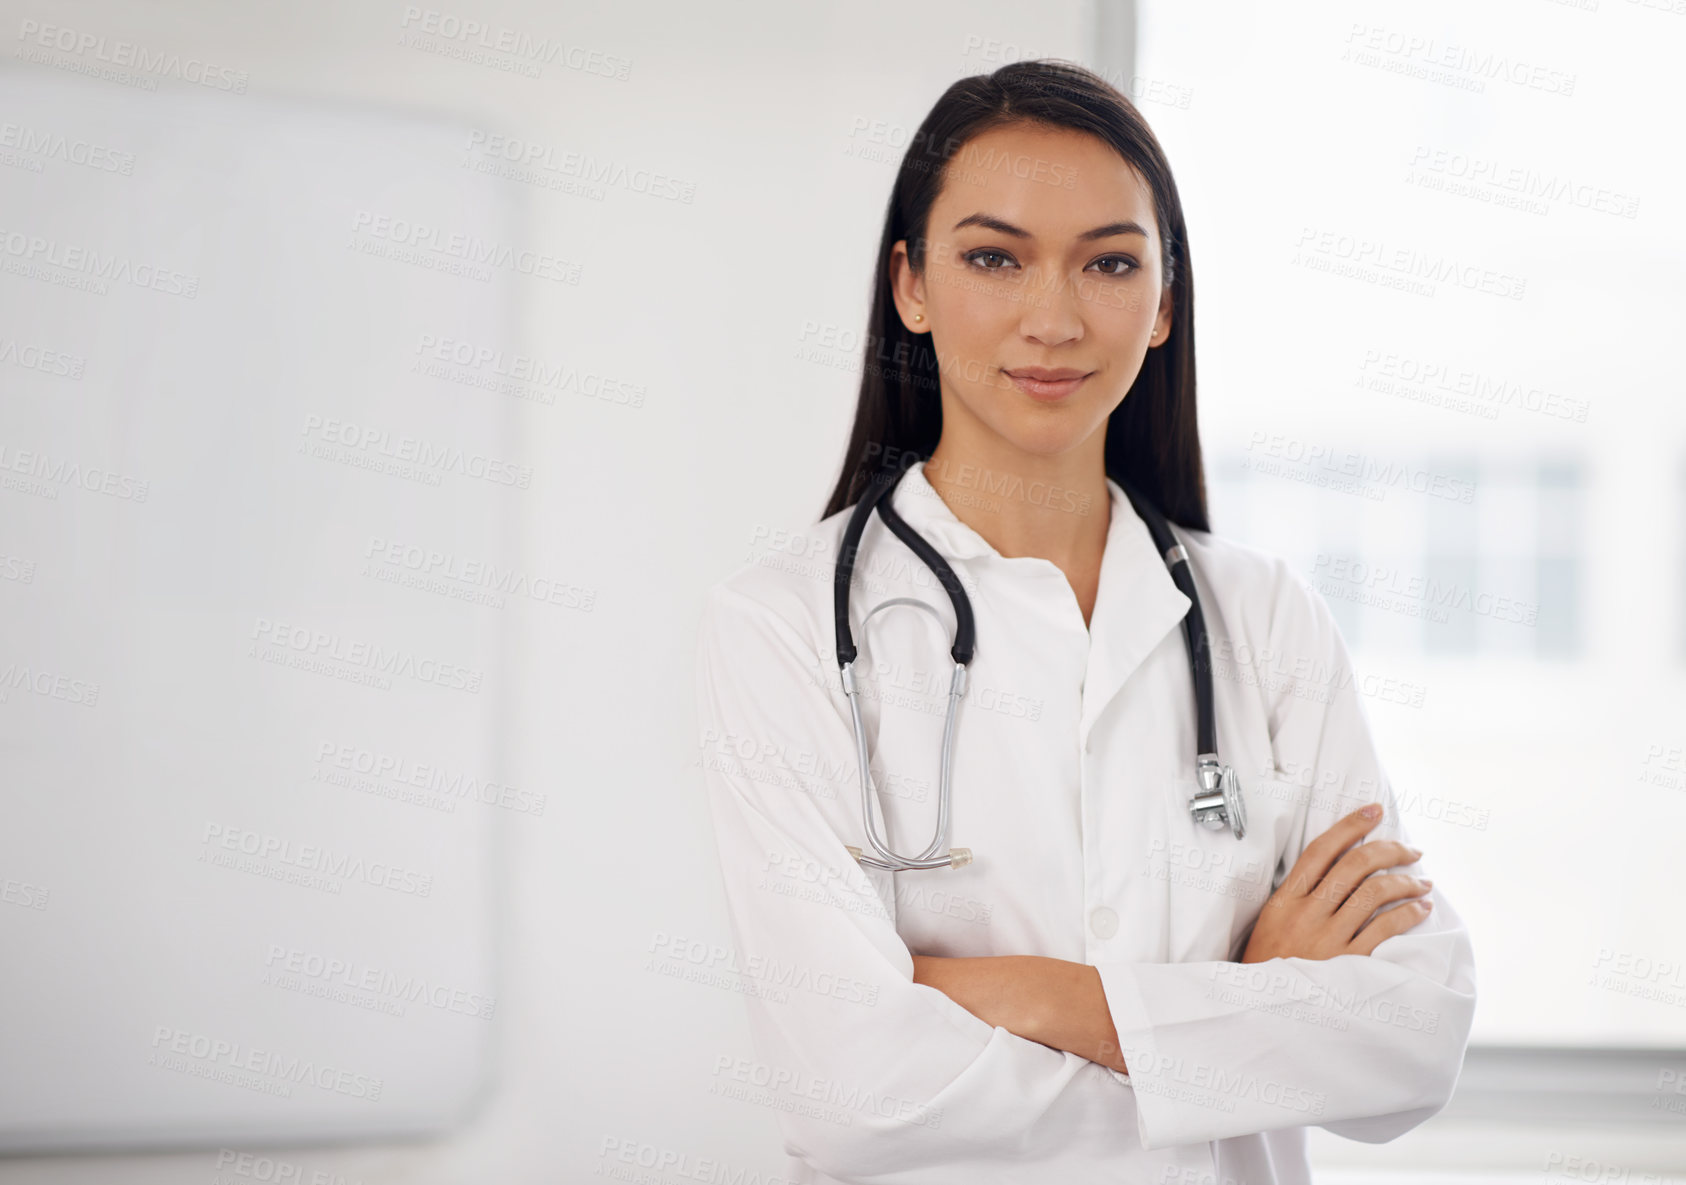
column 1162, row 322
column 907, row 289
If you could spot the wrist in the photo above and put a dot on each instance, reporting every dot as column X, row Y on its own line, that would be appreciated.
column 1026, row 995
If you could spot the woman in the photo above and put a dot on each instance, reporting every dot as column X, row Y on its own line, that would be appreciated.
column 1108, row 990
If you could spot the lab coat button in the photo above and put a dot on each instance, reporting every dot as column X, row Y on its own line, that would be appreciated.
column 1104, row 922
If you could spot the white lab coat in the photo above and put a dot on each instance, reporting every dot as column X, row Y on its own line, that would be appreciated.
column 1074, row 763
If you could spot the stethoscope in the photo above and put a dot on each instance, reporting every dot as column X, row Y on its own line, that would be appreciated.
column 1217, row 803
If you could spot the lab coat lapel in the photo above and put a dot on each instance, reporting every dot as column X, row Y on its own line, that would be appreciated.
column 917, row 501
column 1136, row 604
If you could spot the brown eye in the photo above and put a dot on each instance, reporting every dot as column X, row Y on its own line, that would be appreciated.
column 1124, row 265
column 987, row 253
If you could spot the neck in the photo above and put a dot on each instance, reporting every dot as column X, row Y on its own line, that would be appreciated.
column 1055, row 507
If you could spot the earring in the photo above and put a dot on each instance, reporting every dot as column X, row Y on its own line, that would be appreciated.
column 919, row 316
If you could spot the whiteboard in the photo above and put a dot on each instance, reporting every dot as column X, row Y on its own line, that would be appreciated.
column 251, row 668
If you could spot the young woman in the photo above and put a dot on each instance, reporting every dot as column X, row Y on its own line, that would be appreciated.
column 1109, row 989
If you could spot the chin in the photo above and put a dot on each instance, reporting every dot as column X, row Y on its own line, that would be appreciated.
column 1055, row 434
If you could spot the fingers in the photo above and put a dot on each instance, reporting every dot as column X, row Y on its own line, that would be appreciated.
column 1371, row 895
column 1323, row 854
column 1352, row 869
column 1333, row 901
column 1389, row 923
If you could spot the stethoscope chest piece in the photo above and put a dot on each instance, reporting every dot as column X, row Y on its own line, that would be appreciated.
column 1218, row 803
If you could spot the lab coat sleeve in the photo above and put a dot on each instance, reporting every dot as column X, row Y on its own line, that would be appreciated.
column 879, row 1079
column 1365, row 1046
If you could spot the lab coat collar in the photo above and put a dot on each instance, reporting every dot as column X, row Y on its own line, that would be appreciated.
column 1136, row 604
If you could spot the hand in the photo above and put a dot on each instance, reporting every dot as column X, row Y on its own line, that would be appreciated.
column 1053, row 1002
column 1324, row 907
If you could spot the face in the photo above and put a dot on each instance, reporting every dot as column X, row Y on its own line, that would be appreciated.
column 1042, row 287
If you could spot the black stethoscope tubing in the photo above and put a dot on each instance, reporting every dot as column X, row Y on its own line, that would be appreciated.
column 1219, row 803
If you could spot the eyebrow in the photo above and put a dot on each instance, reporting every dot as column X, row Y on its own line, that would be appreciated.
column 1007, row 228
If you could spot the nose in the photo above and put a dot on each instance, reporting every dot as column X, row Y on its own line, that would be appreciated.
column 1053, row 313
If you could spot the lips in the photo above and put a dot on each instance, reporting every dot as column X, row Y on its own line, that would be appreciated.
column 1044, row 383
column 1043, row 374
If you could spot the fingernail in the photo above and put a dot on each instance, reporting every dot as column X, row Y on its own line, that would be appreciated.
column 1416, row 853
column 1425, row 903
column 1426, row 883
column 1371, row 811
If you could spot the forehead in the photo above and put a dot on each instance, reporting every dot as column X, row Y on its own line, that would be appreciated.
column 1050, row 181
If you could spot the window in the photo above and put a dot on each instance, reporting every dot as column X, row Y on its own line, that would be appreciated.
column 1412, row 259
column 1451, row 557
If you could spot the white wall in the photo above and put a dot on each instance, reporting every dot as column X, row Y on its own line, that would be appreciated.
column 694, row 309
column 250, row 764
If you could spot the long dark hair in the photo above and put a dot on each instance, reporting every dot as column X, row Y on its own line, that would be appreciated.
column 1152, row 439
